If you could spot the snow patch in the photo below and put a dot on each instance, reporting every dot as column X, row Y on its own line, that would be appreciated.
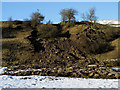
column 109, row 22
column 35, row 81
column 114, row 23
column 2, row 69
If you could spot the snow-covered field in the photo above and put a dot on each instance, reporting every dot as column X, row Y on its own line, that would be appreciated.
column 36, row 81
column 110, row 22
column 54, row 82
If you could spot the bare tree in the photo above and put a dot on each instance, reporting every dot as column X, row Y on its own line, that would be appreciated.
column 63, row 15
column 68, row 14
column 90, row 16
column 83, row 17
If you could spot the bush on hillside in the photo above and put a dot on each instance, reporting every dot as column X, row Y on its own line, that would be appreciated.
column 67, row 24
column 47, row 31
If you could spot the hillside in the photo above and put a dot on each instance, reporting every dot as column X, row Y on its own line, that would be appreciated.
column 71, row 54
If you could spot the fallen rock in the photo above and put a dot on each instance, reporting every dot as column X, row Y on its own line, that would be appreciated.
column 91, row 74
column 92, row 65
column 74, row 75
column 96, row 76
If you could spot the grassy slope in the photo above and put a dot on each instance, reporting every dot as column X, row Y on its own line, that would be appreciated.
column 18, row 46
column 21, row 35
column 111, row 54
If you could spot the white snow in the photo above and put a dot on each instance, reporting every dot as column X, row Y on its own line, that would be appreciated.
column 109, row 21
column 115, row 22
column 35, row 81
column 2, row 69
column 25, row 70
column 55, row 82
column 92, row 65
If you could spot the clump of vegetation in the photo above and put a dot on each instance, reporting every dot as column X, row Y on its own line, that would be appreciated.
column 47, row 31
column 67, row 24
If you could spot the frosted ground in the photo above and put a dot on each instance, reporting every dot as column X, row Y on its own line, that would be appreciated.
column 35, row 81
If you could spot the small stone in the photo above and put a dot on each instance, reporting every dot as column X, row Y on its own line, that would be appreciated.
column 74, row 75
column 91, row 74
column 92, row 65
column 96, row 75
column 59, row 70
column 32, row 73
column 111, row 73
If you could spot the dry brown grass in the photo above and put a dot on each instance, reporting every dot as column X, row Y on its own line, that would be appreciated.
column 16, row 50
column 77, row 29
column 111, row 54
